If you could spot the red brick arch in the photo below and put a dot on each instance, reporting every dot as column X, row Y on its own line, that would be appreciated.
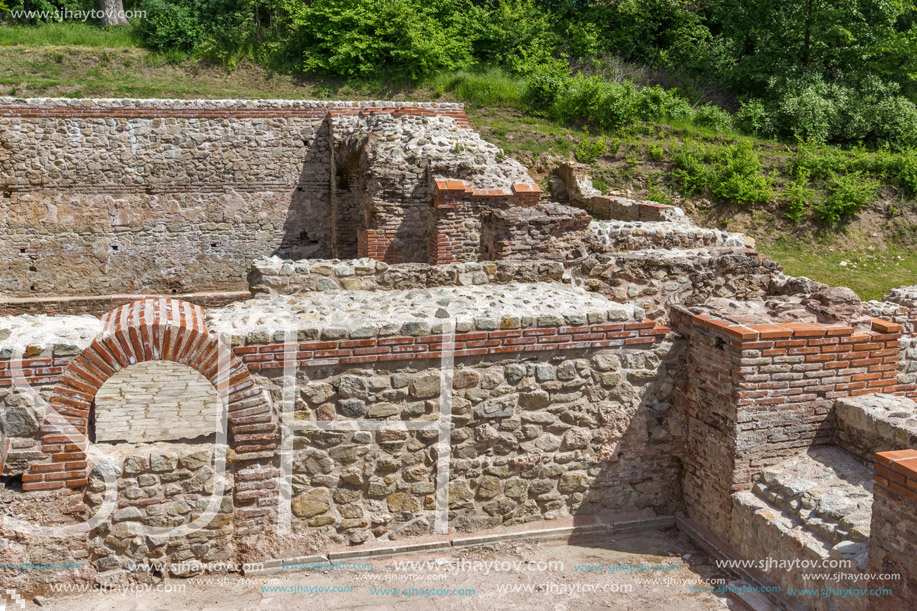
column 145, row 330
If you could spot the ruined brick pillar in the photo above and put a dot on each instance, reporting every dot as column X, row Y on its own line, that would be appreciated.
column 446, row 239
column 893, row 533
column 757, row 394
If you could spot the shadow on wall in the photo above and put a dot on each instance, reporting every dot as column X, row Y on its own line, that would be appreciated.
column 637, row 470
column 344, row 206
column 308, row 226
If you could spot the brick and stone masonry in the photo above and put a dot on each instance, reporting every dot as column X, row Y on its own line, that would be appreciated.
column 760, row 393
column 893, row 539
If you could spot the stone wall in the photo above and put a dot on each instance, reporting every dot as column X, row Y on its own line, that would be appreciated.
column 616, row 236
column 274, row 276
column 546, row 231
column 568, row 432
column 162, row 486
column 872, row 423
column 156, row 401
column 657, row 279
column 110, row 197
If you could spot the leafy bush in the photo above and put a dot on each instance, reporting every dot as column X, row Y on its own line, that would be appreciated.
column 808, row 110
column 589, row 149
column 170, row 26
column 753, row 118
column 849, row 193
column 657, row 103
column 584, row 39
column 543, row 85
column 713, row 117
column 367, row 38
column 798, row 198
column 514, row 34
column 738, row 176
column 817, row 162
column 655, row 152
column 690, row 172
column 597, row 101
column 895, row 121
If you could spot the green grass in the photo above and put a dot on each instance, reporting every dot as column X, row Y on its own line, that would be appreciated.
column 492, row 87
column 67, row 33
column 870, row 273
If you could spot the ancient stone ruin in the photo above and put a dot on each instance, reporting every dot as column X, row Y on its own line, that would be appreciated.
column 241, row 331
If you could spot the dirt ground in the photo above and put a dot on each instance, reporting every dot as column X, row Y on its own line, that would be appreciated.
column 652, row 570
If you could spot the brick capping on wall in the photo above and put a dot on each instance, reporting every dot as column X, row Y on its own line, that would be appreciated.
column 476, row 343
column 523, row 194
column 455, row 201
column 897, row 471
column 221, row 109
column 757, row 394
column 893, row 531
column 152, row 329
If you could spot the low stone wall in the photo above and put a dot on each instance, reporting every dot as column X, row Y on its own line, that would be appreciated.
column 162, row 486
column 656, row 279
column 274, row 276
column 546, row 231
column 874, row 423
column 761, row 533
column 616, row 236
column 577, row 432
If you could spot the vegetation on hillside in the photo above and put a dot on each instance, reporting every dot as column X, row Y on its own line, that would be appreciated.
column 793, row 121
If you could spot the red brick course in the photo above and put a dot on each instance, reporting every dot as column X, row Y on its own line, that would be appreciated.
column 476, row 343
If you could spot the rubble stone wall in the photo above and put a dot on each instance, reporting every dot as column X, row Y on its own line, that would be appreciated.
column 657, row 279
column 568, row 431
column 875, row 423
column 163, row 486
column 274, row 276
column 546, row 231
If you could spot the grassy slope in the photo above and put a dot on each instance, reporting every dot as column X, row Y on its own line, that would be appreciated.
column 877, row 248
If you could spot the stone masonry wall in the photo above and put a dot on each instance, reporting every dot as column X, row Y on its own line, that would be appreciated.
column 872, row 423
column 656, row 279
column 570, row 432
column 164, row 196
column 156, row 401
column 545, row 231
column 275, row 276
column 162, row 485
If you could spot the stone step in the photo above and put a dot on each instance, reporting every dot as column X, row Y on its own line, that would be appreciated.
column 826, row 489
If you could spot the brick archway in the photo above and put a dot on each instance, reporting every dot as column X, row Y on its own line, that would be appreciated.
column 145, row 330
